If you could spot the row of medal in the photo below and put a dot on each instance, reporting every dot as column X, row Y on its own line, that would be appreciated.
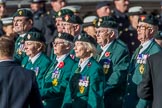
column 141, row 58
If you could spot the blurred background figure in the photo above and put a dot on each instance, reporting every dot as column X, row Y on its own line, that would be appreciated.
column 158, row 37
column 103, row 9
column 8, row 27
column 160, row 17
column 38, row 8
column 120, row 15
column 89, row 25
column 3, row 12
column 74, row 8
column 130, row 34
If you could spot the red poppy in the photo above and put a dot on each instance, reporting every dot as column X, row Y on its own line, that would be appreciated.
column 89, row 64
column 107, row 54
column 61, row 65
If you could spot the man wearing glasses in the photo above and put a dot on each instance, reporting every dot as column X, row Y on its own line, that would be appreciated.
column 114, row 59
column 147, row 27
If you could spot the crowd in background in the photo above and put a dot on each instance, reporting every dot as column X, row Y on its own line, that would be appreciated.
column 106, row 60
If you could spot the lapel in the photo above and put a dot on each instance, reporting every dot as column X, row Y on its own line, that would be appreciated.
column 148, row 51
column 110, row 50
column 87, row 67
column 38, row 60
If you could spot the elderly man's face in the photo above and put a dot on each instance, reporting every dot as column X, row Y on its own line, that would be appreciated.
column 20, row 24
column 121, row 5
column 144, row 32
column 102, row 36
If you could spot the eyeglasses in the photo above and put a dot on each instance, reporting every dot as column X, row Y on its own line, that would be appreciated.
column 57, row 43
column 101, row 31
column 143, row 27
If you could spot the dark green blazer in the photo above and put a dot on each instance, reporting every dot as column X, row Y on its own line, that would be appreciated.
column 85, row 89
column 131, row 100
column 19, row 53
column 39, row 66
column 117, row 57
column 53, row 93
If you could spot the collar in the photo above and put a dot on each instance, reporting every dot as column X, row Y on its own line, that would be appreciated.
column 60, row 59
column 22, row 35
column 6, row 60
column 33, row 59
column 105, row 48
column 84, row 63
column 145, row 45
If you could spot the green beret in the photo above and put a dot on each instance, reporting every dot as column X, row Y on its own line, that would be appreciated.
column 150, row 19
column 72, row 19
column 34, row 36
column 158, row 35
column 24, row 12
column 86, row 38
column 64, row 12
column 65, row 36
column 107, row 22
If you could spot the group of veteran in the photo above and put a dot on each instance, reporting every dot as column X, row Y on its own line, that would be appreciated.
column 86, row 68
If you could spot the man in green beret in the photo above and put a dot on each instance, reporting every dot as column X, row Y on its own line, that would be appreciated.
column 115, row 60
column 49, row 22
column 147, row 27
column 72, row 24
column 35, row 58
column 59, row 28
column 22, row 23
column 57, row 75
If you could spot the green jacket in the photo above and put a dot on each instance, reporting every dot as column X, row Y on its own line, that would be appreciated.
column 136, row 69
column 115, row 63
column 85, row 89
column 19, row 53
column 39, row 66
column 55, row 82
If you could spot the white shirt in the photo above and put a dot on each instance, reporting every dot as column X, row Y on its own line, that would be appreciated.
column 60, row 59
column 6, row 60
column 145, row 45
column 22, row 35
column 33, row 59
column 84, row 63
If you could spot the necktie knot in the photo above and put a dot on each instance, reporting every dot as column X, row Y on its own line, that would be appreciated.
column 78, row 69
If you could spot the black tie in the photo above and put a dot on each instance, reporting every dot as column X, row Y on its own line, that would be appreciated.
column 137, row 51
column 78, row 69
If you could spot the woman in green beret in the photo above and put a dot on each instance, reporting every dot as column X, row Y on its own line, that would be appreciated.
column 85, row 88
column 35, row 60
column 57, row 76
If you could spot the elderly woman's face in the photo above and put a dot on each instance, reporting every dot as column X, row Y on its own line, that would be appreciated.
column 30, row 48
column 80, row 49
column 59, row 46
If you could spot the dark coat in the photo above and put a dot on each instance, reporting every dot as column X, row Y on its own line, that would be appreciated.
column 150, row 88
column 18, row 87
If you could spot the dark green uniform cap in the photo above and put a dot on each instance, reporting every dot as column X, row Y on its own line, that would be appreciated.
column 73, row 19
column 34, row 36
column 24, row 12
column 86, row 38
column 65, row 36
column 150, row 19
column 106, row 22
column 64, row 12
column 158, row 35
